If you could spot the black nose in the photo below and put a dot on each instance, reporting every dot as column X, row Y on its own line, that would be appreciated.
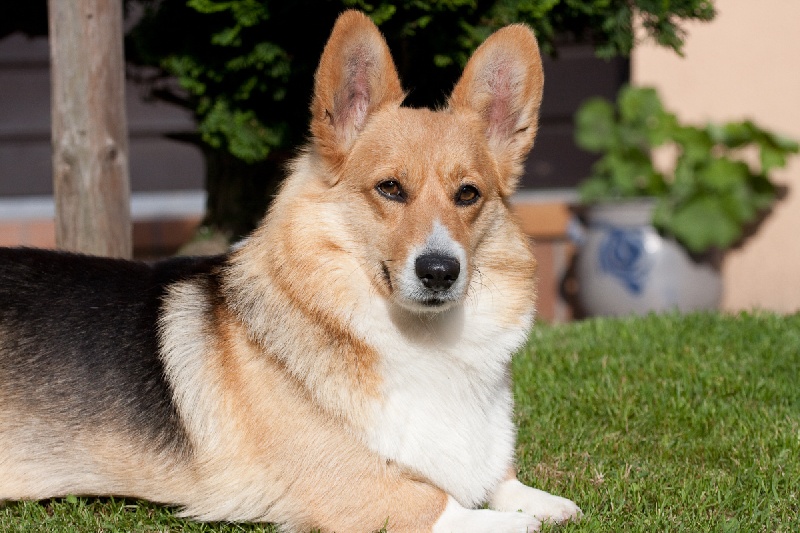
column 437, row 272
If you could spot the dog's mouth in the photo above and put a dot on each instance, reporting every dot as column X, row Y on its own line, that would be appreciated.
column 425, row 304
column 435, row 302
column 412, row 294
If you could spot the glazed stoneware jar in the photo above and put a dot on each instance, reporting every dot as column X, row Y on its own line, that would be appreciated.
column 624, row 266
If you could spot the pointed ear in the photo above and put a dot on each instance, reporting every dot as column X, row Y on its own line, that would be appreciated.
column 356, row 76
column 503, row 83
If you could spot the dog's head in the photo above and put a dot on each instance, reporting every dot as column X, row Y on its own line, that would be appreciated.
column 423, row 190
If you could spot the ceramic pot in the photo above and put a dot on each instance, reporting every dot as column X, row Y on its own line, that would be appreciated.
column 624, row 266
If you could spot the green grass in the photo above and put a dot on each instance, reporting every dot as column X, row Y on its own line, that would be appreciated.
column 672, row 423
column 106, row 515
column 666, row 423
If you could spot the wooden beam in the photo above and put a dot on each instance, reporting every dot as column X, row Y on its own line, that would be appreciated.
column 546, row 220
column 90, row 143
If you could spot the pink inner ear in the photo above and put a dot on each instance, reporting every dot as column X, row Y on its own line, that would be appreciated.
column 351, row 106
column 501, row 116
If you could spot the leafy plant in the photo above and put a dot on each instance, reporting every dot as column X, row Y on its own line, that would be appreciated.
column 711, row 193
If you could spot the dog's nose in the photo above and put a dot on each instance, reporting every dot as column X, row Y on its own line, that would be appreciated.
column 437, row 272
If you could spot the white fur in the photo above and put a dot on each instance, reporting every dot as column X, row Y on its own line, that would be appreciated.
column 512, row 495
column 457, row 519
column 184, row 341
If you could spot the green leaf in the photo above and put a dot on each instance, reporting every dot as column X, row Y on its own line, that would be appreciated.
column 683, row 183
column 594, row 189
column 594, row 121
column 656, row 184
column 663, row 213
column 723, row 174
column 784, row 143
column 761, row 191
column 633, row 135
column 248, row 13
column 227, row 37
column 696, row 143
column 732, row 135
column 638, row 104
column 208, row 6
column 628, row 173
column 383, row 13
column 772, row 158
column 442, row 60
column 703, row 223
column 739, row 204
column 643, row 120
column 239, row 131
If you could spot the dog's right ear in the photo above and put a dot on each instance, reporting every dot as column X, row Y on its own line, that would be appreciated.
column 502, row 83
column 356, row 76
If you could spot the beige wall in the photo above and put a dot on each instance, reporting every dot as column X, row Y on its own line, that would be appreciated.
column 744, row 64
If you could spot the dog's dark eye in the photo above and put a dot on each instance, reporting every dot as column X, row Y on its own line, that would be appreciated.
column 467, row 195
column 392, row 190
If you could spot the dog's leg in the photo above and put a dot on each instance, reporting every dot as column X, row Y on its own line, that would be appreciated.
column 512, row 495
column 457, row 519
column 406, row 505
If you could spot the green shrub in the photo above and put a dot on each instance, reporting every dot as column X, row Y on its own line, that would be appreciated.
column 711, row 192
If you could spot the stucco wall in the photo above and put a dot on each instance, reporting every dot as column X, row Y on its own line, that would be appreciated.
column 744, row 64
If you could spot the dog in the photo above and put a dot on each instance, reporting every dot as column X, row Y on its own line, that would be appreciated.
column 346, row 368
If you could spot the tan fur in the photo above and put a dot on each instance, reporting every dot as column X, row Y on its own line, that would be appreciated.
column 281, row 372
column 89, row 462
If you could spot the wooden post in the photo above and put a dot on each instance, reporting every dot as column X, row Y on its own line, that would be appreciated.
column 90, row 143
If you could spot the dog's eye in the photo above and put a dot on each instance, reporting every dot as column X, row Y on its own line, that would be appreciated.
column 392, row 190
column 467, row 195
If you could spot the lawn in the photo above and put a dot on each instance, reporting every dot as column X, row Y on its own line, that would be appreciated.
column 672, row 423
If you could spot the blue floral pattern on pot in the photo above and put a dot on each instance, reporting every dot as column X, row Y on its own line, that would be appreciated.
column 622, row 255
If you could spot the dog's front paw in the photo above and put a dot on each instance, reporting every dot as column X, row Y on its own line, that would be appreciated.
column 512, row 495
column 457, row 519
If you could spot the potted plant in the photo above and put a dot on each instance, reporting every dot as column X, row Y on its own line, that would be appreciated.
column 654, row 233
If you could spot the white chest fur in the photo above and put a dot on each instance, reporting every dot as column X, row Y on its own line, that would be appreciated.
column 446, row 407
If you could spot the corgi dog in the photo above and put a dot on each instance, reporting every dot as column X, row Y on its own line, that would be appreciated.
column 346, row 367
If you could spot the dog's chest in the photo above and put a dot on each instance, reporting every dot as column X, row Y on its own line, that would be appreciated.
column 449, row 422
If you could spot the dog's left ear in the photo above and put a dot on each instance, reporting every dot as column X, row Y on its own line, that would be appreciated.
column 356, row 76
column 503, row 83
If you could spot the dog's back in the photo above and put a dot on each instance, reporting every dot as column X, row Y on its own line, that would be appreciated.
column 79, row 361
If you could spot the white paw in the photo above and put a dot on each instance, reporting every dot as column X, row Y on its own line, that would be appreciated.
column 457, row 519
column 512, row 495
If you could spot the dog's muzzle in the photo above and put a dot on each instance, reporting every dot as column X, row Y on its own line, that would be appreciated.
column 434, row 274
